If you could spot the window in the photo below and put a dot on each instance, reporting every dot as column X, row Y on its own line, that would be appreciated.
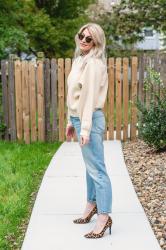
column 148, row 32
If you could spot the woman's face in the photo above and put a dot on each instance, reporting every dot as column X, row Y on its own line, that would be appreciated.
column 84, row 45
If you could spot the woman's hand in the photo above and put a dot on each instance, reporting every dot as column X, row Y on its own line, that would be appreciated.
column 69, row 131
column 84, row 140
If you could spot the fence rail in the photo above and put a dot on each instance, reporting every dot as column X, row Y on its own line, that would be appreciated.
column 33, row 103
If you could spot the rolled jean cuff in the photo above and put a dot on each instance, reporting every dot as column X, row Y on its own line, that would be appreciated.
column 102, row 212
column 92, row 201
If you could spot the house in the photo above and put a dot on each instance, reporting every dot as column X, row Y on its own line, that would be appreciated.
column 152, row 39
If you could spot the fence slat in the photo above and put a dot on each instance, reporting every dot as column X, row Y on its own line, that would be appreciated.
column 141, row 78
column 40, row 100
column 141, row 69
column 163, row 68
column 68, row 64
column 157, row 68
column 61, row 98
column 32, row 101
column 147, row 93
column 18, row 96
column 25, row 101
column 111, row 80
column 11, row 101
column 118, row 99
column 125, row 98
column 47, row 99
column 134, row 62
column 105, row 110
column 54, row 92
column 5, row 106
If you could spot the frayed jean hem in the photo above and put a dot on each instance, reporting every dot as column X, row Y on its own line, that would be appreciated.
column 102, row 212
column 91, row 201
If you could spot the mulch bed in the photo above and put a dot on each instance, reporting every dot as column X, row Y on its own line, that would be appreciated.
column 147, row 170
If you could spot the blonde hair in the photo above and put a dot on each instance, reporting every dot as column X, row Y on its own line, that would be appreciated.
column 98, row 36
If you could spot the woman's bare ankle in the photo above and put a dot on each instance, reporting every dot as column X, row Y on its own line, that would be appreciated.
column 103, row 217
column 88, row 209
column 91, row 204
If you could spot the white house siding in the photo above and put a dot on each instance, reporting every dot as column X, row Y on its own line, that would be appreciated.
column 150, row 42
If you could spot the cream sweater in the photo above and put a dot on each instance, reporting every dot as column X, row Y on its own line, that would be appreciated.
column 87, row 90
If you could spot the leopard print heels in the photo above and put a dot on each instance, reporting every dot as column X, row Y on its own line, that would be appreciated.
column 87, row 219
column 99, row 235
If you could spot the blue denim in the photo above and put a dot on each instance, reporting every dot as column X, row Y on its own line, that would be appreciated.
column 99, row 188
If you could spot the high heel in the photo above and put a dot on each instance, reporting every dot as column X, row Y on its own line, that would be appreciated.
column 99, row 235
column 87, row 219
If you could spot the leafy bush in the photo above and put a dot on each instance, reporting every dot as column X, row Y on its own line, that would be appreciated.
column 2, row 129
column 2, row 126
column 152, row 118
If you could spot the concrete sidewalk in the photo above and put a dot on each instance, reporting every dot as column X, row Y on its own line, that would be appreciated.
column 62, row 198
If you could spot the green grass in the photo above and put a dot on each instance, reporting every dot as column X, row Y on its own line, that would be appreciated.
column 22, row 168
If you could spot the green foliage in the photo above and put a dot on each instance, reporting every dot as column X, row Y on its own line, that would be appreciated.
column 127, row 20
column 12, row 40
column 64, row 9
column 152, row 119
column 11, row 37
column 145, row 13
column 21, row 172
column 48, row 26
column 2, row 126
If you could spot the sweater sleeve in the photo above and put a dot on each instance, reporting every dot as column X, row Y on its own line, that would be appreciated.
column 69, row 123
column 90, row 80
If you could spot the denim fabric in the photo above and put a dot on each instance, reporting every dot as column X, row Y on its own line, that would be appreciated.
column 99, row 188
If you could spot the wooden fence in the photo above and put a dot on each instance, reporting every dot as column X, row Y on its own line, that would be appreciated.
column 34, row 98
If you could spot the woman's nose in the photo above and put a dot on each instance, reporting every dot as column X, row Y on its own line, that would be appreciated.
column 84, row 39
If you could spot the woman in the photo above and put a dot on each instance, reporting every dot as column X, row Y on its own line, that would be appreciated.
column 87, row 90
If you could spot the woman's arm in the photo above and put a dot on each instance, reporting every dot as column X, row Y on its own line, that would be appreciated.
column 69, row 123
column 91, row 81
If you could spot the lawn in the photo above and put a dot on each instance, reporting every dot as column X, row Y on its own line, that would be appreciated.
column 22, row 168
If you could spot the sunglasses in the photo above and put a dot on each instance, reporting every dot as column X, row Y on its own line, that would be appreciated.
column 88, row 39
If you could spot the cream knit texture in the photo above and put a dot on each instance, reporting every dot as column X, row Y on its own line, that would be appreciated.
column 87, row 90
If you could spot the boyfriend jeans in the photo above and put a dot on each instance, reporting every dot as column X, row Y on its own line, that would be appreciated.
column 99, row 188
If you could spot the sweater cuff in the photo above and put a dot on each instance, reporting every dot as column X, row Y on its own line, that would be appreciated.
column 85, row 132
column 69, row 123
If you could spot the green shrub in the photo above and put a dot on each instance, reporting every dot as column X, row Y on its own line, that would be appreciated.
column 2, row 126
column 152, row 118
column 2, row 129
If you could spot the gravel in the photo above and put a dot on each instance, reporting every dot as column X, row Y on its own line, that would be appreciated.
column 147, row 170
